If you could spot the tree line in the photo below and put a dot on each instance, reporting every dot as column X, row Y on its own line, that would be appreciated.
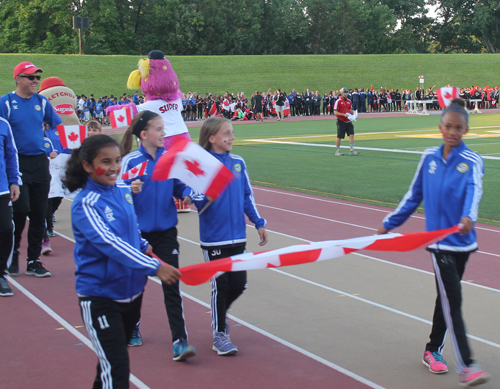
column 251, row 27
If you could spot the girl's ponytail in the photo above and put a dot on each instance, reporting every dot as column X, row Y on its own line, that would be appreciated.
column 126, row 142
column 139, row 124
column 76, row 176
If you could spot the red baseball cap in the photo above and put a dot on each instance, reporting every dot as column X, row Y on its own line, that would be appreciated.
column 26, row 68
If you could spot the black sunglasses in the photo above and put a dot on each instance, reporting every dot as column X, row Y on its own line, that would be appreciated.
column 32, row 77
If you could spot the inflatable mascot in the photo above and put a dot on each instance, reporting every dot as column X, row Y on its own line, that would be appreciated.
column 62, row 98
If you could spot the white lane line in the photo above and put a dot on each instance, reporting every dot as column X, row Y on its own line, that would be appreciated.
column 317, row 217
column 284, row 342
column 357, row 147
column 378, row 260
column 66, row 325
column 356, row 297
column 252, row 327
column 482, row 340
column 341, row 222
column 361, row 133
column 396, row 311
column 302, row 196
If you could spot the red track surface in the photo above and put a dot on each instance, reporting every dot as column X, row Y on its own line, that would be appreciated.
column 364, row 220
column 37, row 354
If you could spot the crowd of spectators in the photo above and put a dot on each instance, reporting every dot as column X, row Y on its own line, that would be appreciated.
column 197, row 107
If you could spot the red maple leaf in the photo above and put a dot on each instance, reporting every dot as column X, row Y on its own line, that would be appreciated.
column 120, row 118
column 72, row 137
column 448, row 95
column 134, row 170
column 194, row 167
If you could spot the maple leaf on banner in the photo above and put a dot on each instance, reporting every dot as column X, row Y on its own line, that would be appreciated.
column 72, row 137
column 120, row 118
column 134, row 170
column 448, row 95
column 194, row 167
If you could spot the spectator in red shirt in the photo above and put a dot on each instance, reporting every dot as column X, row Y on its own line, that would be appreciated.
column 341, row 108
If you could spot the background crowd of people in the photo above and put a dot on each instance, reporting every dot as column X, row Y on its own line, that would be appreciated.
column 237, row 106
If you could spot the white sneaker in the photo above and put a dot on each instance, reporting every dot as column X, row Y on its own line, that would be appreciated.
column 354, row 152
column 338, row 153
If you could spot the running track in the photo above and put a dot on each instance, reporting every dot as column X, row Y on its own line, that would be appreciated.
column 290, row 330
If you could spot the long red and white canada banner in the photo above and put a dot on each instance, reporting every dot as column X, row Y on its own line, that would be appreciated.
column 310, row 252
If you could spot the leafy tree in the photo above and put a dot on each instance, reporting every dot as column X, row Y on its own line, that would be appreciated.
column 36, row 26
column 487, row 20
column 455, row 31
column 230, row 27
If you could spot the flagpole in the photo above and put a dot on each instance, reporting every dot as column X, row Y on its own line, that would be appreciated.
column 205, row 207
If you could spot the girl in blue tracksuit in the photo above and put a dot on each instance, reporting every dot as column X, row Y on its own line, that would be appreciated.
column 111, row 267
column 9, row 192
column 223, row 226
column 449, row 179
column 157, row 216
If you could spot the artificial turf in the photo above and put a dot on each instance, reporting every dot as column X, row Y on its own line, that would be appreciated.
column 377, row 177
column 373, row 177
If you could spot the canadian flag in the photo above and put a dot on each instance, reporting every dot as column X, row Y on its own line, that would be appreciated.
column 121, row 117
column 213, row 110
column 286, row 110
column 311, row 252
column 136, row 171
column 72, row 136
column 194, row 166
column 446, row 94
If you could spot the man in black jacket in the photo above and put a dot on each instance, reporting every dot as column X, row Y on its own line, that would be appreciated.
column 362, row 100
column 308, row 102
column 280, row 104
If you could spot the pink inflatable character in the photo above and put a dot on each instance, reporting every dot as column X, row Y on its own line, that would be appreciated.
column 160, row 85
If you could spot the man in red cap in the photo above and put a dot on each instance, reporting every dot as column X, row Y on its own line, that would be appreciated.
column 26, row 110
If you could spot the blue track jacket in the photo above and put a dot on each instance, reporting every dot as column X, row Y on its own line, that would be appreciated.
column 109, row 249
column 26, row 117
column 154, row 204
column 450, row 189
column 223, row 223
column 9, row 163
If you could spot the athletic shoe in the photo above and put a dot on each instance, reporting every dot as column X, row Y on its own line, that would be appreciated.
column 473, row 375
column 5, row 289
column 13, row 269
column 54, row 218
column 223, row 345
column 183, row 351
column 46, row 249
column 35, row 268
column 51, row 234
column 435, row 362
column 338, row 153
column 354, row 152
column 136, row 339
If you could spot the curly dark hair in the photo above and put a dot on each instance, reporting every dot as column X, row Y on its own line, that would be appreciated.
column 76, row 176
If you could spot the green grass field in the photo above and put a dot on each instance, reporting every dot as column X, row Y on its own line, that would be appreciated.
column 106, row 75
column 376, row 177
